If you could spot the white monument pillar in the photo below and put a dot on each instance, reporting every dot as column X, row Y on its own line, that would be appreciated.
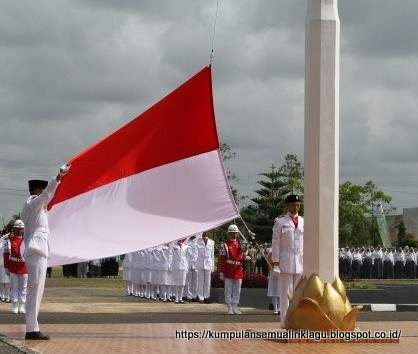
column 322, row 58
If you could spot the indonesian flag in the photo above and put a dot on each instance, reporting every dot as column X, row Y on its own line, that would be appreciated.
column 157, row 179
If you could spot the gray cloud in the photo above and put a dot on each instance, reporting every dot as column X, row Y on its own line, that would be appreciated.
column 73, row 71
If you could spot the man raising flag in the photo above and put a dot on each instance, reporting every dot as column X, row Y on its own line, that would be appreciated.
column 35, row 217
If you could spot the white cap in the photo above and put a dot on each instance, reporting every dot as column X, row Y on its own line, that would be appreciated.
column 233, row 228
column 19, row 224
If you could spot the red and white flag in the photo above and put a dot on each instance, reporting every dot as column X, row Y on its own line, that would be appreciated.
column 157, row 179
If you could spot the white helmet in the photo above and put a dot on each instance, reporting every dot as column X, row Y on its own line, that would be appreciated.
column 233, row 228
column 18, row 224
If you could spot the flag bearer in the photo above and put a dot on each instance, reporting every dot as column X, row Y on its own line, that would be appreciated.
column 35, row 216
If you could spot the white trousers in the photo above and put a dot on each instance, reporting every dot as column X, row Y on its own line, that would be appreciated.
column 287, row 284
column 191, row 284
column 19, row 284
column 203, row 283
column 232, row 291
column 36, row 266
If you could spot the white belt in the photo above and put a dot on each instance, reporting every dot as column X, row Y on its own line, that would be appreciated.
column 15, row 259
column 229, row 261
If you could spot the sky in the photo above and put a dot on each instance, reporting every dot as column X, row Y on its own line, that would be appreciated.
column 73, row 71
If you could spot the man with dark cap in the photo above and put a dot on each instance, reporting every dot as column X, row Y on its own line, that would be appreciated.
column 287, row 251
column 35, row 216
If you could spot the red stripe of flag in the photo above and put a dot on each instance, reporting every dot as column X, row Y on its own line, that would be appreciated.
column 179, row 126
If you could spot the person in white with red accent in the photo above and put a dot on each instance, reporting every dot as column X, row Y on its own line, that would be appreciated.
column 287, row 251
column 205, row 264
column 35, row 216
column 15, row 265
column 231, row 258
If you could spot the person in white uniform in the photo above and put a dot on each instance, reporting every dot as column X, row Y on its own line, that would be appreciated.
column 205, row 264
column 190, row 289
column 179, row 267
column 166, row 258
column 127, row 273
column 15, row 264
column 273, row 289
column 4, row 273
column 287, row 251
column 35, row 216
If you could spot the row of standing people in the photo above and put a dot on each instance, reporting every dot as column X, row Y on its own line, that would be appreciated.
column 172, row 272
column 378, row 262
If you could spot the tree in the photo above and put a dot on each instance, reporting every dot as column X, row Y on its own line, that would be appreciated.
column 268, row 203
column 228, row 154
column 405, row 238
column 9, row 226
column 292, row 172
column 357, row 224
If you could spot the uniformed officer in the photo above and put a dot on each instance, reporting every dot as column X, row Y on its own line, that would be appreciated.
column 287, row 251
column 35, row 216
column 410, row 264
column 377, row 263
column 179, row 267
column 399, row 257
column 4, row 274
column 357, row 264
column 127, row 266
column 231, row 258
column 204, row 264
column 15, row 264
column 190, row 289
column 367, row 265
column 388, row 264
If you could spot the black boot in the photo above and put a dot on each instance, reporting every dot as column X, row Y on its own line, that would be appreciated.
column 36, row 336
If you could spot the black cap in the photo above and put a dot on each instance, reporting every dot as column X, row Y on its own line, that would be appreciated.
column 37, row 183
column 292, row 198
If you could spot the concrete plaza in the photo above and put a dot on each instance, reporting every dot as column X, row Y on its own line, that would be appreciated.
column 100, row 320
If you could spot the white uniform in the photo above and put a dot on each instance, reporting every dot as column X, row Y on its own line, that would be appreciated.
column 191, row 278
column 4, row 278
column 127, row 273
column 35, row 216
column 205, row 265
column 287, row 249
column 165, row 264
column 179, row 267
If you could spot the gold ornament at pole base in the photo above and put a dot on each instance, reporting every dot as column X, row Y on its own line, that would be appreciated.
column 321, row 306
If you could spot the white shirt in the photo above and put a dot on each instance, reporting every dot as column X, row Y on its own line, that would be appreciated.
column 35, row 216
column 179, row 261
column 191, row 253
column 287, row 244
column 205, row 254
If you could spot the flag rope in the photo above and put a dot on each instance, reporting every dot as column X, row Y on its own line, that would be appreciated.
column 212, row 47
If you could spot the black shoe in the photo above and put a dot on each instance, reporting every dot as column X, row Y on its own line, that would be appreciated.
column 36, row 336
column 206, row 301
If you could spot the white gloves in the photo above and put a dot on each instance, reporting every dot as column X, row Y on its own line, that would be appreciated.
column 221, row 276
column 64, row 170
column 276, row 270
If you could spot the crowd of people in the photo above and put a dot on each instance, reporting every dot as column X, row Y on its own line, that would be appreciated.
column 176, row 271
column 378, row 262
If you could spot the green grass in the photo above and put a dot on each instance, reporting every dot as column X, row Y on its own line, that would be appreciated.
column 59, row 281
column 374, row 283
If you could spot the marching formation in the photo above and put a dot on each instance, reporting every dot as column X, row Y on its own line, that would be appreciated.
column 378, row 262
column 176, row 271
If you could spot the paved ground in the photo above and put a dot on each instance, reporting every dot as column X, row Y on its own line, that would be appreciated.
column 86, row 320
